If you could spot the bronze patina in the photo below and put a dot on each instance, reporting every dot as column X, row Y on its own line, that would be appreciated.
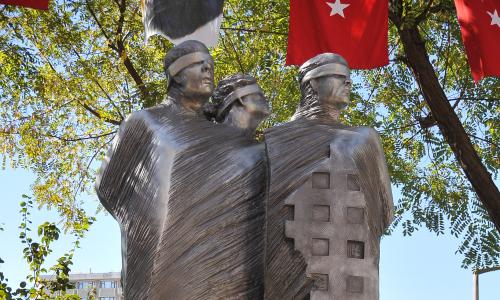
column 188, row 194
column 329, row 196
column 207, row 212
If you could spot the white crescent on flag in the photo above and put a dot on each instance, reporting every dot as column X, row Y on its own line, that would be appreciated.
column 181, row 20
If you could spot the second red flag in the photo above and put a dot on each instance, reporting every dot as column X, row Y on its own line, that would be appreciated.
column 480, row 26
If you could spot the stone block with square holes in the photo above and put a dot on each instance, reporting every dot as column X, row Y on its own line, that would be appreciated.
column 328, row 185
column 330, row 229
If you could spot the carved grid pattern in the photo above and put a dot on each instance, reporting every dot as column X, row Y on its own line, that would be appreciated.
column 321, row 229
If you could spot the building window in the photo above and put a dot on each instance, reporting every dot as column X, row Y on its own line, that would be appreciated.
column 107, row 284
column 84, row 284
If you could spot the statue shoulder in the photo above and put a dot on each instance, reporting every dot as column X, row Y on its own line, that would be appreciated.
column 369, row 132
column 148, row 114
column 151, row 118
column 141, row 138
column 354, row 137
column 368, row 135
column 278, row 128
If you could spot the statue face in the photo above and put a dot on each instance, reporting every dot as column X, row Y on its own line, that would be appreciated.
column 255, row 105
column 248, row 112
column 333, row 89
column 197, row 79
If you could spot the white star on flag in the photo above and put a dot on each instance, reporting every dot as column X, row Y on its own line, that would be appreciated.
column 337, row 8
column 495, row 19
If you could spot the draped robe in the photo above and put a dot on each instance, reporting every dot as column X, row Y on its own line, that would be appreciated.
column 188, row 195
column 296, row 150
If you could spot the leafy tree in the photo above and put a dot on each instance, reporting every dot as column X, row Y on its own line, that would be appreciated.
column 35, row 254
column 72, row 74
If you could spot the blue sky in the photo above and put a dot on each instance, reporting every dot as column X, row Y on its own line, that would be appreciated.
column 423, row 266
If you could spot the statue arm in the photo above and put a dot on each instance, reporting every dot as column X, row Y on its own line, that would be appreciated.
column 385, row 192
column 103, row 185
column 117, row 177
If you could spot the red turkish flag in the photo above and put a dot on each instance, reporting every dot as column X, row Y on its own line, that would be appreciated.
column 355, row 29
column 480, row 25
column 38, row 4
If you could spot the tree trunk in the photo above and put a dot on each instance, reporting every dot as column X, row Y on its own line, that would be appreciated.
column 448, row 121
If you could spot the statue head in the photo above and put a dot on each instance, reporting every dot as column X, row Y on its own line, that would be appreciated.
column 325, row 81
column 240, row 102
column 190, row 70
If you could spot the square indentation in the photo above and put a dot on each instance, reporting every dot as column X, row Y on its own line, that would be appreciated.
column 355, row 249
column 320, row 247
column 320, row 281
column 355, row 284
column 321, row 180
column 355, row 215
column 321, row 213
column 290, row 212
column 353, row 182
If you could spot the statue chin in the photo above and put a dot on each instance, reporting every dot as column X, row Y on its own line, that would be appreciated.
column 203, row 91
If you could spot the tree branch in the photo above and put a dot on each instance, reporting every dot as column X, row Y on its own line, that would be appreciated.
column 427, row 122
column 238, row 60
column 396, row 12
column 424, row 13
column 412, row 137
column 121, row 19
column 484, row 140
column 90, row 163
column 486, row 270
column 119, row 47
column 83, row 138
column 412, row 124
column 447, row 55
column 447, row 120
column 254, row 30
column 97, row 114
column 474, row 99
column 75, row 139
column 94, row 16
column 96, row 81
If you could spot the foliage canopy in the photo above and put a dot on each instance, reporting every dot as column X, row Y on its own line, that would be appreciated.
column 70, row 75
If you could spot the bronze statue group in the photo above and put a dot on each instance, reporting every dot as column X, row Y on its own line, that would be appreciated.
column 207, row 212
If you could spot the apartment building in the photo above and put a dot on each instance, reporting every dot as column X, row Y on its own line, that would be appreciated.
column 103, row 286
